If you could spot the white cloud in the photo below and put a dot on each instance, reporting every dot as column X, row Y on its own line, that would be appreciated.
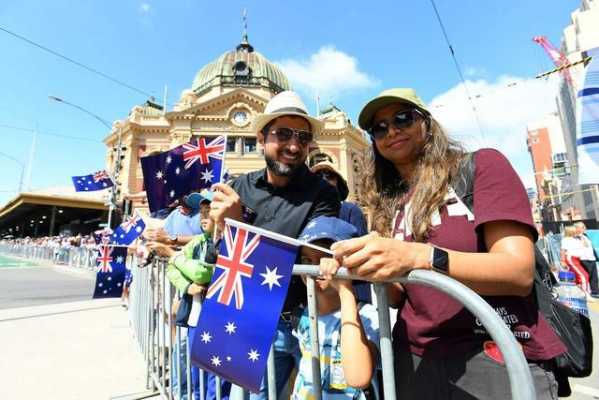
column 145, row 7
column 327, row 73
column 504, row 108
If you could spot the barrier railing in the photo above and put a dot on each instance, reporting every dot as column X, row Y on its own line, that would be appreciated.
column 165, row 347
column 159, row 340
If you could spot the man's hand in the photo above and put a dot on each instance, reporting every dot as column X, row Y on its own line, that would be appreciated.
column 225, row 204
column 194, row 289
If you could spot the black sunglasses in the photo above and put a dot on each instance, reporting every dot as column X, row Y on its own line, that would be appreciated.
column 401, row 120
column 285, row 135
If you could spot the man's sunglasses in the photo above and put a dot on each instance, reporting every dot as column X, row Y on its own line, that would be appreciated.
column 401, row 120
column 285, row 135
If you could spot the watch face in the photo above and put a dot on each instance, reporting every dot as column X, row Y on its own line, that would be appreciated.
column 240, row 117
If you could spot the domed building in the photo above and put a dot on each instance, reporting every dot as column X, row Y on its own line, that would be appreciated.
column 224, row 97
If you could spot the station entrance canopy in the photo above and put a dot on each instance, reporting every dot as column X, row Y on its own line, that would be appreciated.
column 51, row 212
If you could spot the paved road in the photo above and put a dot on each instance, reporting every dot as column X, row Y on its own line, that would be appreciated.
column 31, row 286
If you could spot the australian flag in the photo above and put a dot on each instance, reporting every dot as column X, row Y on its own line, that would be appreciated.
column 97, row 181
column 190, row 167
column 129, row 230
column 111, row 270
column 243, row 303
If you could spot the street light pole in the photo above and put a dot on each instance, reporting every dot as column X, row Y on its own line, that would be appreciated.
column 117, row 165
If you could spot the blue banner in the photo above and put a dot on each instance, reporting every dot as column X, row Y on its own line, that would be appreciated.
column 243, row 304
column 587, row 138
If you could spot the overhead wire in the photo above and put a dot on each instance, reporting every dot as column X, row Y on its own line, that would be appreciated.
column 50, row 134
column 79, row 64
column 458, row 68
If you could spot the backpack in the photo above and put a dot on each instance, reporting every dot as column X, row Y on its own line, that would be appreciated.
column 573, row 328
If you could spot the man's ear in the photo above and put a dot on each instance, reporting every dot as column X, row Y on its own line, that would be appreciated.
column 260, row 136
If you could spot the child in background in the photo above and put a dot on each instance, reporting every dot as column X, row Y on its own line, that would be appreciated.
column 190, row 271
column 347, row 331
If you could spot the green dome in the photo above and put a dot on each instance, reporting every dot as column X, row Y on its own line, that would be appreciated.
column 242, row 67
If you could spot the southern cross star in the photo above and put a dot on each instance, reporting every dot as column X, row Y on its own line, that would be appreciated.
column 206, row 338
column 230, row 328
column 169, row 159
column 177, row 170
column 215, row 361
column 207, row 176
column 119, row 260
column 271, row 278
column 159, row 175
column 253, row 355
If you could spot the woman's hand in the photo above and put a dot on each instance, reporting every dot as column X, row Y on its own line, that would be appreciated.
column 380, row 259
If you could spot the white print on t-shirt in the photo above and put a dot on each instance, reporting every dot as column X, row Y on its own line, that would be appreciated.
column 509, row 319
column 455, row 208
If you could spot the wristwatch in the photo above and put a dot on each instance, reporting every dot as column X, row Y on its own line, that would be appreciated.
column 173, row 240
column 439, row 260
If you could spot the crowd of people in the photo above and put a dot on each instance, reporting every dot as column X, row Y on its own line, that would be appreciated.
column 420, row 218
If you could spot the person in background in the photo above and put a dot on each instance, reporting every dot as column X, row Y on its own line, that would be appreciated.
column 588, row 258
column 180, row 225
column 347, row 330
column 570, row 257
column 349, row 212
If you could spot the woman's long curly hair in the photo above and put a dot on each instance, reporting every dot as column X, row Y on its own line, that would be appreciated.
column 384, row 191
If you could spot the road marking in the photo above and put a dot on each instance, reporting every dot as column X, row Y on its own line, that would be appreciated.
column 585, row 390
column 594, row 306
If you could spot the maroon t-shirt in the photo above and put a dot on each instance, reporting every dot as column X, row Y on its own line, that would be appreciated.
column 434, row 324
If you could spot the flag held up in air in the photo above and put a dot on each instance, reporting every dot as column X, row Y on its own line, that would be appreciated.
column 243, row 303
column 177, row 172
column 99, row 180
column 129, row 230
column 111, row 270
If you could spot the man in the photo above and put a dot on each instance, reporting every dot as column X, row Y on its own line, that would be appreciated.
column 588, row 258
column 282, row 198
column 181, row 225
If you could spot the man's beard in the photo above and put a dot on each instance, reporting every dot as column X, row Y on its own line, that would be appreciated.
column 280, row 169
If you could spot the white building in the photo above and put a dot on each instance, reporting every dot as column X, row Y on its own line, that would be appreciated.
column 580, row 35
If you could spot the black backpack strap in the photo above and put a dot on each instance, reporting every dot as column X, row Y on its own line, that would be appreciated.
column 463, row 182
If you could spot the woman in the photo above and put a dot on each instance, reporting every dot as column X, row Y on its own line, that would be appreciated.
column 441, row 350
column 572, row 249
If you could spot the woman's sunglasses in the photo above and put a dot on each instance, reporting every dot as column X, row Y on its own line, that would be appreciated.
column 401, row 120
column 285, row 135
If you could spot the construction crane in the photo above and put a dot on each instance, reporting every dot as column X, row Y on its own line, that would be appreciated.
column 559, row 59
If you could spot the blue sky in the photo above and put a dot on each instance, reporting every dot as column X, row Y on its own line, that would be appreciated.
column 364, row 46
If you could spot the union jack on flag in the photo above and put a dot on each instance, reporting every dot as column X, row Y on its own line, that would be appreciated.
column 234, row 265
column 100, row 175
column 104, row 259
column 131, row 222
column 203, row 152
column 255, row 267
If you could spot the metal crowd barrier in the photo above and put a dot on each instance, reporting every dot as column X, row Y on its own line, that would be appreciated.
column 161, row 342
column 79, row 257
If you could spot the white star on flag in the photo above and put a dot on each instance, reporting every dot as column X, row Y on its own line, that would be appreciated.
column 119, row 259
column 215, row 361
column 230, row 328
column 104, row 184
column 169, row 159
column 138, row 229
column 229, row 358
column 177, row 170
column 122, row 235
column 253, row 355
column 207, row 176
column 271, row 278
column 159, row 175
column 172, row 193
column 206, row 338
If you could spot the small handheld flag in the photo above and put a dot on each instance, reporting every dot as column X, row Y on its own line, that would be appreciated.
column 99, row 180
column 111, row 271
column 243, row 303
column 129, row 230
